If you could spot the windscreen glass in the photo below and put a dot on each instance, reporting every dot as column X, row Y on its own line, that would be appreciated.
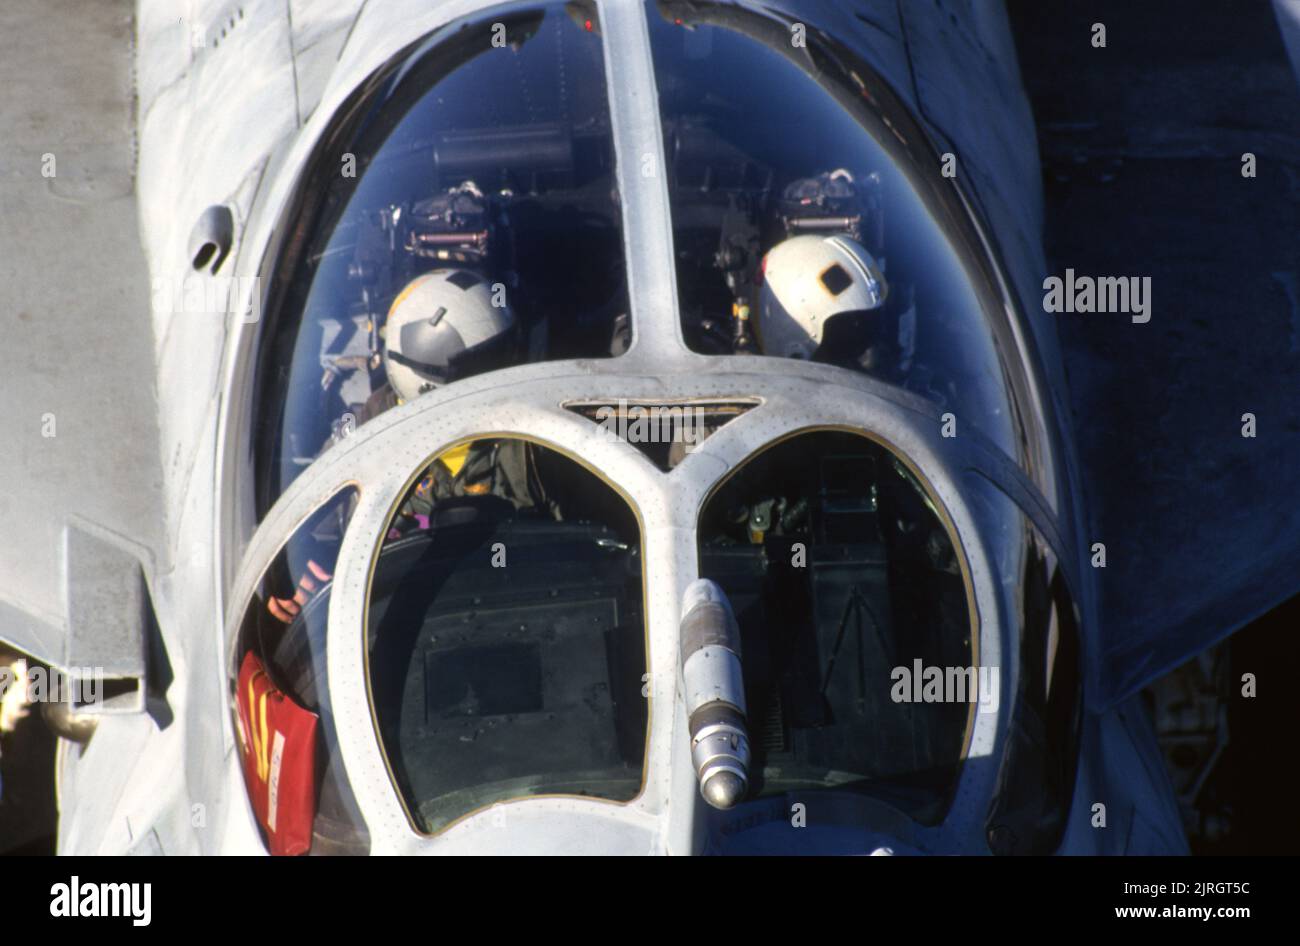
column 860, row 667
column 461, row 217
column 812, row 219
column 507, row 640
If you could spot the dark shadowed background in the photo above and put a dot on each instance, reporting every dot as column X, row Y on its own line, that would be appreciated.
column 1142, row 146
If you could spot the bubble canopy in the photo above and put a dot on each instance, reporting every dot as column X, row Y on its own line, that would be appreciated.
column 459, row 170
column 482, row 155
column 777, row 153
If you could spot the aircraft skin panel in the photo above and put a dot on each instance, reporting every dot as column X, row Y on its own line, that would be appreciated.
column 229, row 119
column 79, row 383
column 874, row 29
column 988, row 125
column 42, row 636
column 162, row 763
column 320, row 29
column 1120, row 770
column 205, row 139
column 99, row 781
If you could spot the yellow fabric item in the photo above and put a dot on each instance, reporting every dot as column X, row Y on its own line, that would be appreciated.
column 261, row 738
column 454, row 458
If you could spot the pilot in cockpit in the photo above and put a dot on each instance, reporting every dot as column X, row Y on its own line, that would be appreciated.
column 442, row 327
column 823, row 298
column 822, row 294
column 445, row 326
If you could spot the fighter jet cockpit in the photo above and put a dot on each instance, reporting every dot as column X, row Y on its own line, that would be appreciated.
column 465, row 217
column 501, row 595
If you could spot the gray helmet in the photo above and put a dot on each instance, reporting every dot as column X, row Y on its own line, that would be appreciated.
column 807, row 281
column 441, row 327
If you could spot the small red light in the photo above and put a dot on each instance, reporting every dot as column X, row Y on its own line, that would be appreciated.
column 678, row 21
column 588, row 25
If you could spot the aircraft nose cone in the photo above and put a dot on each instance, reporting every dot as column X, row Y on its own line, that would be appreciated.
column 723, row 789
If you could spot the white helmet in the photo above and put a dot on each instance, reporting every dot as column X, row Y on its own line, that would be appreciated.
column 806, row 281
column 441, row 327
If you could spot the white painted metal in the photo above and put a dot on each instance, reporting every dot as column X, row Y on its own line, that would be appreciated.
column 234, row 97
